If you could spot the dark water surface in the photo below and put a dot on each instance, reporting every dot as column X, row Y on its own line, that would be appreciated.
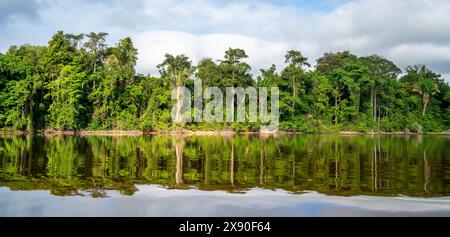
column 266, row 175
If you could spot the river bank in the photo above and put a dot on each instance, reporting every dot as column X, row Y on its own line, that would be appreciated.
column 190, row 132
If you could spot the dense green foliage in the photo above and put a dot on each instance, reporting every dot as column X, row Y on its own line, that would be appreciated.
column 338, row 165
column 78, row 82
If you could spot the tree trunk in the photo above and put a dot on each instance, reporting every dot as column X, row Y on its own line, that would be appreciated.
column 371, row 103
column 336, row 98
column 95, row 68
column 293, row 92
column 180, row 102
column 378, row 118
column 426, row 99
column 375, row 107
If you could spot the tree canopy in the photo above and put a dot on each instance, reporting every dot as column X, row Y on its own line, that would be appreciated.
column 79, row 82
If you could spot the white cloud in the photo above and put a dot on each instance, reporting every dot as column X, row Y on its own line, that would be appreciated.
column 153, row 45
column 154, row 200
column 405, row 31
column 421, row 53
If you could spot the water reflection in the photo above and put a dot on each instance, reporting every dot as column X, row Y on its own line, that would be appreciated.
column 338, row 165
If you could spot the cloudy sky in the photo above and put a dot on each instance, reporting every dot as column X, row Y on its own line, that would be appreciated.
column 404, row 31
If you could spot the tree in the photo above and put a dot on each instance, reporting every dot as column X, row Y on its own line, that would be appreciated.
column 381, row 72
column 177, row 69
column 330, row 61
column 346, row 84
column 424, row 82
column 235, row 72
column 269, row 77
column 77, row 81
column 66, row 93
column 321, row 90
column 209, row 72
column 156, row 114
column 126, row 54
column 446, row 107
column 294, row 71
column 96, row 48
column 426, row 88
column 60, row 51
column 117, row 72
column 22, row 90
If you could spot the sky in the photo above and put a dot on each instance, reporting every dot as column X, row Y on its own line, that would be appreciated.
column 154, row 200
column 405, row 31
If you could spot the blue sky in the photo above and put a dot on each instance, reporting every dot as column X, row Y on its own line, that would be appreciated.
column 404, row 31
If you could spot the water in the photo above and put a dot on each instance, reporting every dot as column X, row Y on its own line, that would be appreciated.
column 260, row 175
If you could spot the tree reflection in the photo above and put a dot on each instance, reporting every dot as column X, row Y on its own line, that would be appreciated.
column 339, row 165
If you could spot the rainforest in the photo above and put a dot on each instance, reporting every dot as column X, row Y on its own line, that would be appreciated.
column 79, row 82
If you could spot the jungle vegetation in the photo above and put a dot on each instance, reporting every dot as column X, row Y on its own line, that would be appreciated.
column 78, row 82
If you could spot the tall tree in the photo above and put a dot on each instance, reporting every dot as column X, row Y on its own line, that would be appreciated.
column 424, row 82
column 22, row 92
column 235, row 72
column 330, row 61
column 209, row 72
column 381, row 72
column 294, row 71
column 96, row 48
column 60, row 51
column 66, row 94
column 177, row 69
column 118, row 72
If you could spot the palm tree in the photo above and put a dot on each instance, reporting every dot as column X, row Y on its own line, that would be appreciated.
column 426, row 87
